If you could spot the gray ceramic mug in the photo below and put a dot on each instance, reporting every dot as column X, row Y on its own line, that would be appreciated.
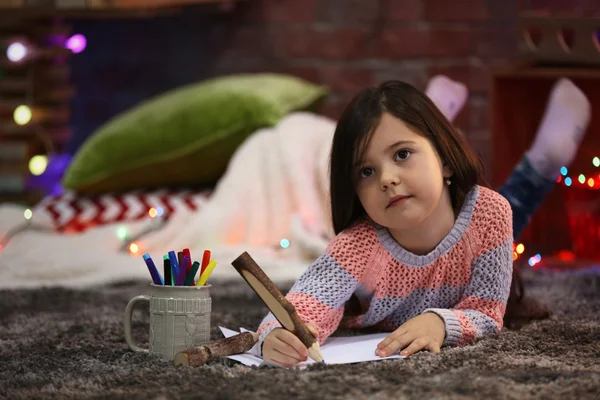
column 179, row 318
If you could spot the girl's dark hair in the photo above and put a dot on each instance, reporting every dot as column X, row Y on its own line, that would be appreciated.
column 355, row 129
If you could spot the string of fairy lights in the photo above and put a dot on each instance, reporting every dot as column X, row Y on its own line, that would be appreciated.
column 583, row 181
column 21, row 51
column 129, row 243
column 590, row 181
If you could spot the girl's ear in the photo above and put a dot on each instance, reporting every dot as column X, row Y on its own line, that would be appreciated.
column 447, row 171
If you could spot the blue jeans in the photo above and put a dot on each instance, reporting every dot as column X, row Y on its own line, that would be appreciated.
column 525, row 190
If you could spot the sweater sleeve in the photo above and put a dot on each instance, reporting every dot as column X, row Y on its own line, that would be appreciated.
column 480, row 310
column 319, row 295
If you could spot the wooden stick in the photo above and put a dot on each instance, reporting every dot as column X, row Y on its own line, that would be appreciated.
column 200, row 355
column 282, row 309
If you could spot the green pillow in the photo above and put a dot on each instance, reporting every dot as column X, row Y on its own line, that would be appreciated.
column 185, row 137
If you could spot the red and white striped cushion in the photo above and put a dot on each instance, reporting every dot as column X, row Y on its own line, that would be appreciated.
column 73, row 213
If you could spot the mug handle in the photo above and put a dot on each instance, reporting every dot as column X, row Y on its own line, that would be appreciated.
column 127, row 322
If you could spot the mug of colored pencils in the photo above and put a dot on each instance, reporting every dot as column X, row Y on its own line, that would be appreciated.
column 180, row 304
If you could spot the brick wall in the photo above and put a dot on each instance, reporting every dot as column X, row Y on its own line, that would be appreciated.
column 345, row 44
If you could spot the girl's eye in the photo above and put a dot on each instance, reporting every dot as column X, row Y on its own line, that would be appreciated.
column 366, row 172
column 402, row 155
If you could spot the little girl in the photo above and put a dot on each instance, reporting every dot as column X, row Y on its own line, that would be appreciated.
column 420, row 249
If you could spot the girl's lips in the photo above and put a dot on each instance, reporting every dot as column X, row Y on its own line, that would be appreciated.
column 394, row 201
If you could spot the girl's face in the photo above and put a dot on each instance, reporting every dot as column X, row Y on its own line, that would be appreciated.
column 401, row 182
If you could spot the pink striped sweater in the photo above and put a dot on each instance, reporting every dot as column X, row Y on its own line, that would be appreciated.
column 465, row 279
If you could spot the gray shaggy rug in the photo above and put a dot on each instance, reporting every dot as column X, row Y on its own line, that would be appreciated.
column 58, row 343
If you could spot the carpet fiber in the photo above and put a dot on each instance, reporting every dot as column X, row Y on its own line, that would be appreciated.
column 57, row 343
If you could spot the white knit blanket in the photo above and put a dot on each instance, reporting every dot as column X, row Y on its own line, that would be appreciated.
column 274, row 189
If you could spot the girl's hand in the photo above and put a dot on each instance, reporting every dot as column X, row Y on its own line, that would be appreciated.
column 425, row 331
column 281, row 347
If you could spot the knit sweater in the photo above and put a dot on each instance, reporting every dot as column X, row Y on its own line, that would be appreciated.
column 465, row 280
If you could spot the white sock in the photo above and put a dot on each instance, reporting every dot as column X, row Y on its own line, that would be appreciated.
column 448, row 95
column 565, row 120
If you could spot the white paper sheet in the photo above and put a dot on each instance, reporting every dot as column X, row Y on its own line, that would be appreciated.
column 336, row 350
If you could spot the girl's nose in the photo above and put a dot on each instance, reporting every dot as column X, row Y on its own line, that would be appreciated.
column 388, row 180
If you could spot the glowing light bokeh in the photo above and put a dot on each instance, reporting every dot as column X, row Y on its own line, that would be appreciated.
column 22, row 115
column 564, row 171
column 38, row 164
column 16, row 52
column 520, row 248
column 76, row 43
column 122, row 232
